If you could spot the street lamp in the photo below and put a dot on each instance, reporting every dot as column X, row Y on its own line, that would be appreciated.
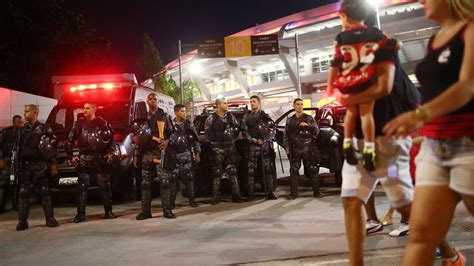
column 195, row 68
column 375, row 4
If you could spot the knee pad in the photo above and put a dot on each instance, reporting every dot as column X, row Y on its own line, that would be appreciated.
column 146, row 184
column 24, row 191
column 231, row 171
column 312, row 169
column 165, row 183
column 45, row 190
column 82, row 186
column 217, row 172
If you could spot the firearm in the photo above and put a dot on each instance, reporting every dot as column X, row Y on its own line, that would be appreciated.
column 15, row 169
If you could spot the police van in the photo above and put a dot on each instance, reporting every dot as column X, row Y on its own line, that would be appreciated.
column 119, row 101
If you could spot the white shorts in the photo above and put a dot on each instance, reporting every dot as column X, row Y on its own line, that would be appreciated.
column 392, row 170
column 447, row 163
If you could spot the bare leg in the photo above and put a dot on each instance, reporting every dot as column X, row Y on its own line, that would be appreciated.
column 350, row 121
column 433, row 210
column 370, row 209
column 367, row 119
column 355, row 231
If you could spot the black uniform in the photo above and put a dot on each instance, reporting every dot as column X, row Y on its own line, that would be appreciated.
column 184, row 145
column 7, row 138
column 301, row 142
column 259, row 126
column 94, row 140
column 33, row 164
column 222, row 133
column 147, row 150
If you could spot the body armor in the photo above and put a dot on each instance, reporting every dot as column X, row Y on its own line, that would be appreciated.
column 301, row 142
column 33, row 167
column 92, row 136
column 222, row 130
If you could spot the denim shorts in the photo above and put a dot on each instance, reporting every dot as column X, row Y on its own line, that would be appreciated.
column 447, row 162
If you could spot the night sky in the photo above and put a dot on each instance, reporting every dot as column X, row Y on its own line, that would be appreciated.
column 124, row 22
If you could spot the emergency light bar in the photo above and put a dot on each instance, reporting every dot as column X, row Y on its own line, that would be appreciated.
column 105, row 86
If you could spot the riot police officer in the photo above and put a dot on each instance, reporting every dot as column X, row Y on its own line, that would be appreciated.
column 259, row 130
column 185, row 149
column 35, row 153
column 94, row 139
column 301, row 132
column 222, row 130
column 7, row 138
column 149, row 144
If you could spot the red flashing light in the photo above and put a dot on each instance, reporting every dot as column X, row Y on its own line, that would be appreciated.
column 105, row 86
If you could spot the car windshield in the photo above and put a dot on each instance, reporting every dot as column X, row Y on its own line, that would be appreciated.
column 117, row 114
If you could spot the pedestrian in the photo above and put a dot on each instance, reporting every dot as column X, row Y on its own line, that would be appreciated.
column 394, row 94
column 35, row 155
column 94, row 140
column 7, row 138
column 222, row 130
column 301, row 133
column 185, row 149
column 151, row 139
column 353, row 71
column 259, row 131
column 445, row 164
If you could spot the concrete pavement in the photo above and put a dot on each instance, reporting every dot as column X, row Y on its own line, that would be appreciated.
column 304, row 231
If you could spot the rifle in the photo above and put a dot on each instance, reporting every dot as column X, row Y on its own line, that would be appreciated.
column 15, row 167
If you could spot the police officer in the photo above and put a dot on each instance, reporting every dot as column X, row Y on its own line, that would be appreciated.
column 94, row 139
column 259, row 130
column 222, row 130
column 7, row 138
column 148, row 148
column 36, row 150
column 185, row 148
column 301, row 132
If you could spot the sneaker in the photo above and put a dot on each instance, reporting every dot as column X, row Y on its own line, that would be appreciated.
column 402, row 230
column 349, row 153
column 460, row 261
column 369, row 159
column 437, row 254
column 372, row 227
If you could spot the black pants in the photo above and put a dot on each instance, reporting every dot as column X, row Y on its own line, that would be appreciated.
column 255, row 153
column 224, row 160
column 310, row 157
column 150, row 171
column 93, row 166
column 5, row 187
column 183, row 173
column 34, row 177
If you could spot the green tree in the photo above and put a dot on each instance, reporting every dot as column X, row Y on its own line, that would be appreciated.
column 150, row 62
column 151, row 65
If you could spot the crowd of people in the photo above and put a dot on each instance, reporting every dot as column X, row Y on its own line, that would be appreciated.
column 386, row 115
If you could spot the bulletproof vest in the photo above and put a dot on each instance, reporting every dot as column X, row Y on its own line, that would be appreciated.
column 30, row 139
column 223, row 131
column 300, row 136
column 9, row 136
column 153, row 118
column 183, row 137
column 95, row 135
column 260, row 125
column 47, row 146
column 253, row 120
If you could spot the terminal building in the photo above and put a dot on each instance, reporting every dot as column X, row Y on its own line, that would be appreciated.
column 275, row 77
